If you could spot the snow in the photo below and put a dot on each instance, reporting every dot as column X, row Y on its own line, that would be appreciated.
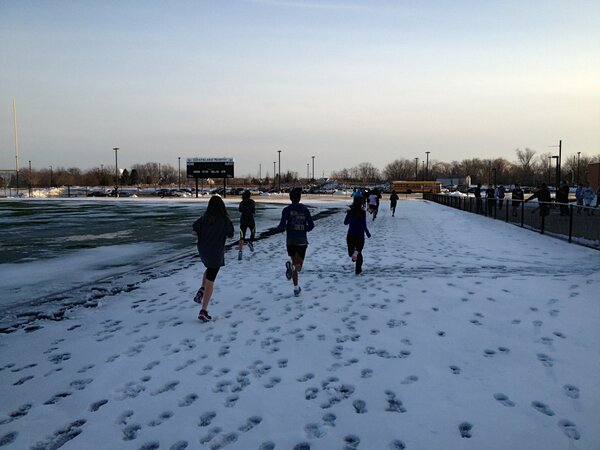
column 461, row 333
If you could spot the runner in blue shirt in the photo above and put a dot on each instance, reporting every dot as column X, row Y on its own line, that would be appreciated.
column 297, row 221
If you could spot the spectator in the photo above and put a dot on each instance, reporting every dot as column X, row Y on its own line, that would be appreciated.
column 500, row 193
column 579, row 197
column 478, row 201
column 517, row 198
column 588, row 196
column 544, row 198
column 490, row 196
column 562, row 198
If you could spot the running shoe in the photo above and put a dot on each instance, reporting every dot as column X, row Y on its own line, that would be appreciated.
column 204, row 316
column 288, row 270
column 199, row 295
column 355, row 255
column 297, row 290
column 251, row 246
column 240, row 255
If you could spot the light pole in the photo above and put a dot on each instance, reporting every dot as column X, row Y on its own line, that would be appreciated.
column 279, row 177
column 558, row 163
column 313, row 168
column 557, row 176
column 416, row 169
column 30, row 178
column 307, row 174
column 578, row 154
column 274, row 174
column 427, row 166
column 179, row 171
column 116, row 149
column 50, row 176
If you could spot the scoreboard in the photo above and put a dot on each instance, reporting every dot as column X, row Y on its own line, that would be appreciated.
column 210, row 167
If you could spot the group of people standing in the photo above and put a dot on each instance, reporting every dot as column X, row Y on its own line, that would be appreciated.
column 584, row 195
column 215, row 226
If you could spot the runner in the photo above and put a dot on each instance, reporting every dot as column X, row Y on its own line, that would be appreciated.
column 356, row 218
column 393, row 202
column 247, row 209
column 212, row 229
column 374, row 202
column 296, row 220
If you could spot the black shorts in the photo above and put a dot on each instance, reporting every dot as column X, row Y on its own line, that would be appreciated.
column 244, row 227
column 355, row 243
column 211, row 273
column 297, row 250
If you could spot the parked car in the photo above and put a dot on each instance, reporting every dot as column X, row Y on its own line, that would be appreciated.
column 97, row 194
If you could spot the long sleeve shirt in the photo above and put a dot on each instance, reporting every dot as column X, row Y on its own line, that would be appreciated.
column 358, row 225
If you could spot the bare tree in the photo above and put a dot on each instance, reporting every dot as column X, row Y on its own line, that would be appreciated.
column 525, row 165
column 400, row 169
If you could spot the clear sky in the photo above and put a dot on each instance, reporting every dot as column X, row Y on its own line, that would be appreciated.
column 346, row 81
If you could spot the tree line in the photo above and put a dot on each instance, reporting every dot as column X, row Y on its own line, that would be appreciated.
column 529, row 168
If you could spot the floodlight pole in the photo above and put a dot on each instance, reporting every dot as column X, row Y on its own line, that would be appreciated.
column 416, row 169
column 279, row 152
column 116, row 149
column 16, row 141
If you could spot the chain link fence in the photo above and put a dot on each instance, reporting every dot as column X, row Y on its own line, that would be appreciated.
column 579, row 224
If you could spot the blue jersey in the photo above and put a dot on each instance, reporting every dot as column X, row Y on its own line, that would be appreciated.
column 296, row 220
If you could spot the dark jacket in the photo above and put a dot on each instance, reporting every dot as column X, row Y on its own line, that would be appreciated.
column 562, row 196
column 518, row 194
column 211, row 240
column 358, row 225
column 543, row 195
column 393, row 199
column 296, row 220
column 247, row 209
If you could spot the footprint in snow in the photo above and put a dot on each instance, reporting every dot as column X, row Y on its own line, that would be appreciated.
column 569, row 429
column 503, row 399
column 542, row 407
column 571, row 391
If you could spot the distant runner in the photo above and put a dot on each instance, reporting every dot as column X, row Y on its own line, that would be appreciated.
column 247, row 209
column 296, row 220
column 374, row 202
column 356, row 218
column 393, row 202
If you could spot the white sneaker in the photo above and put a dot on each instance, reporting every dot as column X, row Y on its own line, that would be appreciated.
column 297, row 290
column 251, row 246
column 354, row 256
column 240, row 255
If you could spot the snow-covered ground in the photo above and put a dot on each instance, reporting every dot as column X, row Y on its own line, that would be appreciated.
column 461, row 333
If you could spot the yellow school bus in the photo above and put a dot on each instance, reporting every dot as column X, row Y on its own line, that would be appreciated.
column 412, row 187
